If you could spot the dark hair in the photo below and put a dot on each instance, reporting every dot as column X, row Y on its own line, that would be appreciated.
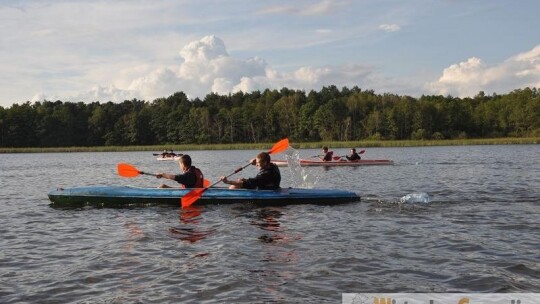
column 325, row 148
column 353, row 149
column 264, row 156
column 186, row 160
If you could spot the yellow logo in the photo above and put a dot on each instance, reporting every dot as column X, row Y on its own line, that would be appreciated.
column 463, row 301
column 383, row 301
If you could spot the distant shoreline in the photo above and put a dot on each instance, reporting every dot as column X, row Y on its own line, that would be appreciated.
column 301, row 145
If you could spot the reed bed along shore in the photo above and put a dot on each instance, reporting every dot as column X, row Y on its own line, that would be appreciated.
column 265, row 146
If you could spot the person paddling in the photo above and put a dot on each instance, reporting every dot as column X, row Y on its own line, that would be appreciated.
column 191, row 177
column 268, row 177
column 353, row 156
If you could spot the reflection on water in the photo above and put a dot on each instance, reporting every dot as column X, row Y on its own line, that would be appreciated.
column 190, row 214
column 267, row 220
column 193, row 233
column 278, row 263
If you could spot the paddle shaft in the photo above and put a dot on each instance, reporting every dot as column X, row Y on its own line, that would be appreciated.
column 174, row 154
column 235, row 171
column 140, row 172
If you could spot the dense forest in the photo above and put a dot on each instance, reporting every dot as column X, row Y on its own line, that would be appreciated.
column 328, row 115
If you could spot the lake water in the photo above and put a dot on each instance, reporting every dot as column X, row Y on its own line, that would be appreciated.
column 480, row 233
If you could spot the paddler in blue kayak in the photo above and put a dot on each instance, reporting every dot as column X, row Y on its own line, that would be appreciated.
column 268, row 177
column 191, row 177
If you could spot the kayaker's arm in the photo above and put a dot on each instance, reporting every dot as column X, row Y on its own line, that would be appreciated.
column 236, row 183
column 239, row 183
column 166, row 175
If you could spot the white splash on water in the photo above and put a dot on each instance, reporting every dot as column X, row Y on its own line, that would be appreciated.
column 416, row 198
column 301, row 178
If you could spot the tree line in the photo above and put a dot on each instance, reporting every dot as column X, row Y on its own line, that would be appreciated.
column 330, row 114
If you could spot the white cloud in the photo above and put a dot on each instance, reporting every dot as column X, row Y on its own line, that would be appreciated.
column 323, row 31
column 390, row 27
column 207, row 67
column 469, row 77
column 280, row 9
column 96, row 93
column 67, row 47
column 159, row 83
column 320, row 8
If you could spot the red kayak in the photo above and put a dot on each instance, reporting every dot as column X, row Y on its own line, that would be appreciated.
column 362, row 162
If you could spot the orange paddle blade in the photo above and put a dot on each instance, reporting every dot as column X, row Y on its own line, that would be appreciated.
column 192, row 197
column 127, row 170
column 206, row 183
column 280, row 146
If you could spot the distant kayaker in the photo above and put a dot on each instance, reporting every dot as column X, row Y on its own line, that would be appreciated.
column 353, row 156
column 268, row 177
column 327, row 155
column 172, row 154
column 191, row 177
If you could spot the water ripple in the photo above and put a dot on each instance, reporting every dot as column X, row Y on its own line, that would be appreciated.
column 479, row 234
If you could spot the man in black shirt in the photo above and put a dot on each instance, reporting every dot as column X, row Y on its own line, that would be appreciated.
column 268, row 177
column 327, row 155
column 354, row 156
column 191, row 177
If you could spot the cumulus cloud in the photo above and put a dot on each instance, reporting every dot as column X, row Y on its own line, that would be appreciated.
column 472, row 76
column 207, row 67
column 390, row 27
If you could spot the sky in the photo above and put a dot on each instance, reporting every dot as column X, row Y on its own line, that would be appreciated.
column 105, row 50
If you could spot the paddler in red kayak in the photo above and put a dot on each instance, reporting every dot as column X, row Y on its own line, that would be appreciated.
column 353, row 156
column 191, row 177
column 268, row 177
column 327, row 155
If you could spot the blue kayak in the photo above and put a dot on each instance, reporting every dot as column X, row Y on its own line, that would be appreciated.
column 116, row 196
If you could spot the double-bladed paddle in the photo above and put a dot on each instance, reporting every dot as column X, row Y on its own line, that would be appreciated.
column 340, row 157
column 127, row 170
column 194, row 195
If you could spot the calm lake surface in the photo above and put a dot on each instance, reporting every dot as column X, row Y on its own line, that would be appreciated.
column 480, row 233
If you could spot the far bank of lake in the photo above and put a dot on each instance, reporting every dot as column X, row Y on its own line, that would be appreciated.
column 300, row 145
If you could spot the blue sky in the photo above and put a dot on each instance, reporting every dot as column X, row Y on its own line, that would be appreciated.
column 82, row 50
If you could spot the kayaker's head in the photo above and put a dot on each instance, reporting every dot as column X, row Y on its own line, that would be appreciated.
column 184, row 162
column 325, row 149
column 353, row 150
column 262, row 160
